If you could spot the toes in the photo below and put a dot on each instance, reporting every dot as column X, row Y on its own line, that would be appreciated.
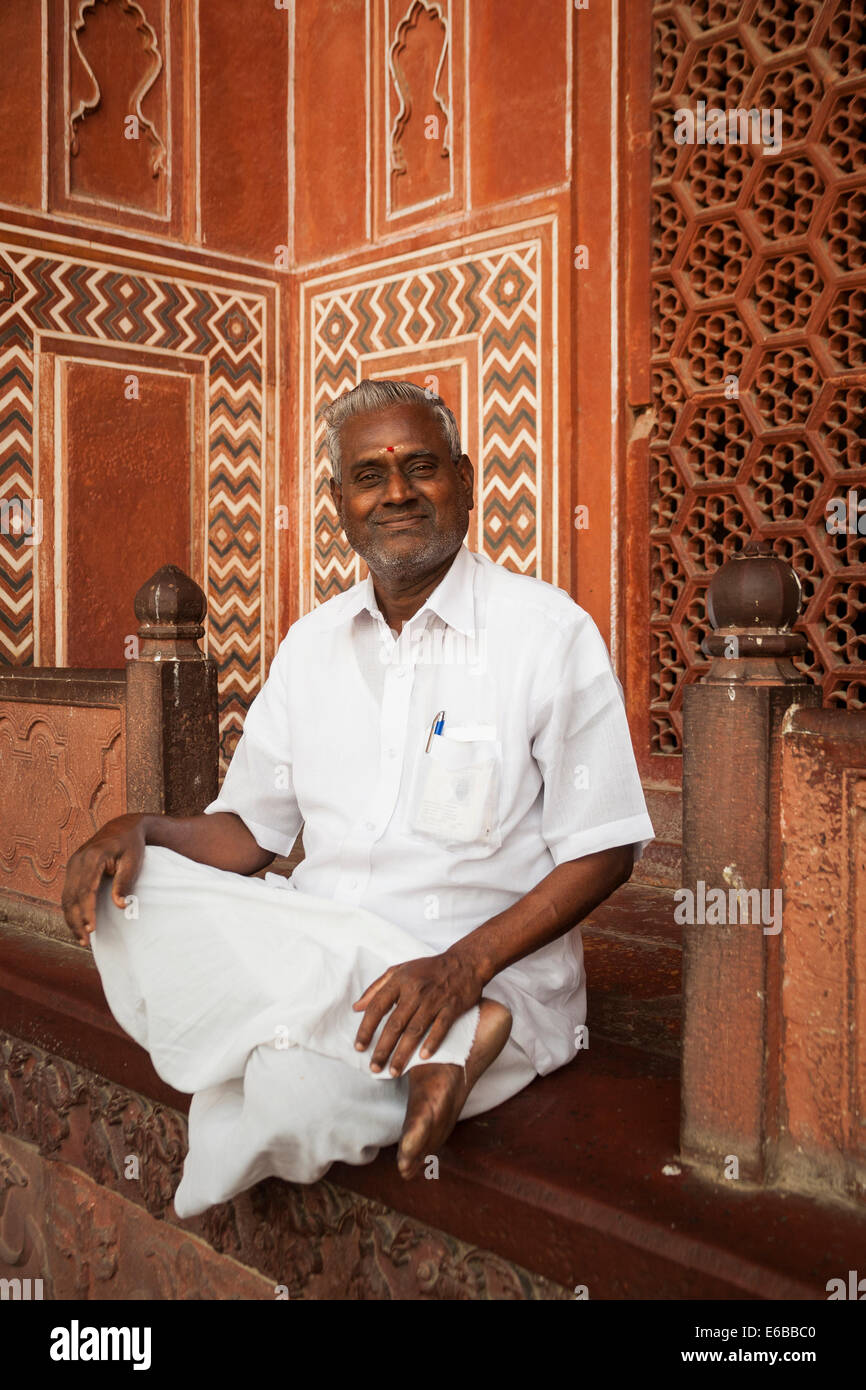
column 415, row 1140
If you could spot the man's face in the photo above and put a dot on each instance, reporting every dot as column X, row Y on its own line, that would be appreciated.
column 403, row 503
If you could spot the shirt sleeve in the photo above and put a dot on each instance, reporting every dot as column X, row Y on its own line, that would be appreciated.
column 592, row 798
column 258, row 785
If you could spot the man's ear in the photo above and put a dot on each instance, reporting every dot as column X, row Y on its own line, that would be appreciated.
column 336, row 495
column 467, row 477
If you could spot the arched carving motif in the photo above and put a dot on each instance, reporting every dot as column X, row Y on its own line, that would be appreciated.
column 402, row 37
column 92, row 102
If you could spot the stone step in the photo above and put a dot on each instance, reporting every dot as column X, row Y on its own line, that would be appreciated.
column 633, row 955
column 578, row 1178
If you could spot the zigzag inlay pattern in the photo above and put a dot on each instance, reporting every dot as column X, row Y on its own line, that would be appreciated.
column 16, row 490
column 494, row 297
column 39, row 292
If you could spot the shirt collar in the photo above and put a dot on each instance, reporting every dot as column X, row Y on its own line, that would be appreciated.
column 453, row 599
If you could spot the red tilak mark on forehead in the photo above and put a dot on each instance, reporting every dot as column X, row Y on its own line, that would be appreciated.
column 390, row 448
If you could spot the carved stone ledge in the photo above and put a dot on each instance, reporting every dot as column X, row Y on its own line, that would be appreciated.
column 316, row 1241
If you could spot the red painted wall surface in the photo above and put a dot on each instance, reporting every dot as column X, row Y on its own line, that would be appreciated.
column 128, row 501
column 145, row 194
column 401, row 174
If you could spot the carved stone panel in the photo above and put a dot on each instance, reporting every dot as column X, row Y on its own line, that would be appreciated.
column 63, row 776
column 417, row 127
column 117, row 108
column 86, row 1242
column 73, row 1144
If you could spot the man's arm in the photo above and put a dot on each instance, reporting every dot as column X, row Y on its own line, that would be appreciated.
column 559, row 902
column 117, row 849
column 220, row 837
column 432, row 992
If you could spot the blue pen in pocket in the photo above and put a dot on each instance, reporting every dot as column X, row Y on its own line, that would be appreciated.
column 435, row 728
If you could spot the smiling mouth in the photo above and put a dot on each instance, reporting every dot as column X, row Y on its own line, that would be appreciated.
column 401, row 523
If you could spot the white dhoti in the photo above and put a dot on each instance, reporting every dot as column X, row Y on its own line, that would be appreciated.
column 241, row 991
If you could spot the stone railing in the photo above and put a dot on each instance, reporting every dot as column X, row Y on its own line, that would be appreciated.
column 78, row 747
column 774, row 987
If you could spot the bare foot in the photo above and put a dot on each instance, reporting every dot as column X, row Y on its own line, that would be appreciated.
column 438, row 1090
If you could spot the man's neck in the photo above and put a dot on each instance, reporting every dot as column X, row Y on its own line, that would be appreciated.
column 400, row 599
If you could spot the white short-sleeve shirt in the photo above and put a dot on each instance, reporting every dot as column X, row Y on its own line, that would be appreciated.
column 533, row 766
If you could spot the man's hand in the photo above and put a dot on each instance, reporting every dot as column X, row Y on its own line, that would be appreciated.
column 116, row 850
column 430, row 993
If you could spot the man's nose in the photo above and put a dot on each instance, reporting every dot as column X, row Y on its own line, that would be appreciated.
column 398, row 488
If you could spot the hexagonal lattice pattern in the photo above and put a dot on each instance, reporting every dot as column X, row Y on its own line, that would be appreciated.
column 719, row 72
column 785, row 198
column 717, row 259
column 709, row 14
column 842, row 430
column 796, row 91
column 712, row 522
column 759, row 323
column 785, row 292
column 844, row 610
column 781, row 24
column 844, row 133
column 716, row 440
column 845, row 328
column 669, row 223
column 845, row 39
column 716, row 347
column 786, row 387
column 715, row 174
column 667, row 315
column 845, row 232
column 784, row 480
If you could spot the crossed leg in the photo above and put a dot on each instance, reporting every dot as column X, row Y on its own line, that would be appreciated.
column 296, row 1112
column 241, row 992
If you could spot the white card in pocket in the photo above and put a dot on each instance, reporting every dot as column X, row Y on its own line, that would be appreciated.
column 457, row 791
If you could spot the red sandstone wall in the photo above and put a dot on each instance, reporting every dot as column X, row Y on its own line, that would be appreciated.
column 142, row 322
column 824, row 979
column 433, row 227
column 310, row 192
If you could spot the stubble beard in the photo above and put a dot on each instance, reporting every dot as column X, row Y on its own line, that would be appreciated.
column 381, row 560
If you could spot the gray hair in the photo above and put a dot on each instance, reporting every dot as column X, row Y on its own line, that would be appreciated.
column 377, row 395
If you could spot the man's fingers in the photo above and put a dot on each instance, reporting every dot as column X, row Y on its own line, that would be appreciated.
column 412, row 1035
column 376, row 1011
column 371, row 989
column 125, row 874
column 87, row 895
column 71, row 912
column 439, row 1031
column 407, row 1022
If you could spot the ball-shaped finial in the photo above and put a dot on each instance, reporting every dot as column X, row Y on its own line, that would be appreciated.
column 754, row 589
column 170, row 599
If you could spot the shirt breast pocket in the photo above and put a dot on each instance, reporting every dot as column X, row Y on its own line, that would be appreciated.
column 454, row 800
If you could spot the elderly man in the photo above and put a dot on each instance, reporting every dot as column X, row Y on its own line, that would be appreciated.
column 453, row 740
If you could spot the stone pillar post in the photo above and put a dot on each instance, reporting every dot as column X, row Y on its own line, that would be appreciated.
column 171, row 701
column 731, row 968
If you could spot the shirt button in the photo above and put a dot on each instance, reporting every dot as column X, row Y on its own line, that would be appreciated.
column 401, row 671
column 353, row 883
column 370, row 825
column 392, row 752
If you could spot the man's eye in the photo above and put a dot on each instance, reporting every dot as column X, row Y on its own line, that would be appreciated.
column 420, row 467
